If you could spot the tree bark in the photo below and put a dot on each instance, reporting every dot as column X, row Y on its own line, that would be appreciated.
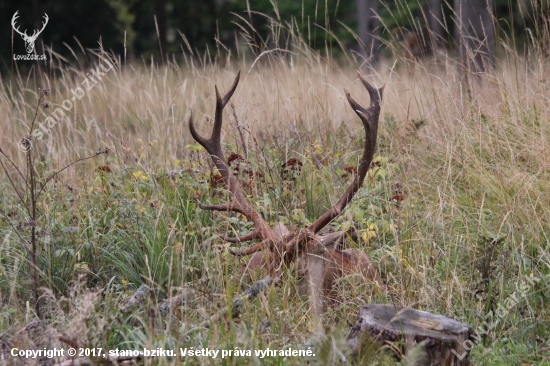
column 369, row 30
column 474, row 34
column 39, row 45
column 435, row 24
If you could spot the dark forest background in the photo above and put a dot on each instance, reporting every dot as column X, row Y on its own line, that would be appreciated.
column 141, row 29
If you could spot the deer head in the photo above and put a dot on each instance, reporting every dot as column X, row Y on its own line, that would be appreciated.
column 319, row 258
column 29, row 40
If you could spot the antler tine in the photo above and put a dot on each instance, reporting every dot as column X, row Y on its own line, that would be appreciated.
column 239, row 203
column 194, row 132
column 369, row 116
column 229, row 94
column 375, row 94
column 251, row 250
column 230, row 207
column 213, row 144
column 254, row 234
column 220, row 105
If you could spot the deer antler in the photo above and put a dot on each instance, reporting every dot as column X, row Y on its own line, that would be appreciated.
column 325, row 260
column 369, row 116
column 239, row 204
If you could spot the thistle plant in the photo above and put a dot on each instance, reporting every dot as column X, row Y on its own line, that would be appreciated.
column 28, row 185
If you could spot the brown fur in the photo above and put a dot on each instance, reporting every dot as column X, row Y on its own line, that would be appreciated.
column 337, row 264
column 347, row 262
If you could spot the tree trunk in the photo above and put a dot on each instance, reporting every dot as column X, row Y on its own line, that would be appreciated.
column 435, row 24
column 369, row 30
column 39, row 45
column 446, row 340
column 474, row 34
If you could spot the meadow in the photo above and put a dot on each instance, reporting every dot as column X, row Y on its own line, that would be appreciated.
column 454, row 214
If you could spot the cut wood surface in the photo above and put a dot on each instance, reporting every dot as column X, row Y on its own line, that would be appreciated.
column 389, row 323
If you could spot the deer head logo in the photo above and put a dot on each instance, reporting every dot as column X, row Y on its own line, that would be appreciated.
column 29, row 40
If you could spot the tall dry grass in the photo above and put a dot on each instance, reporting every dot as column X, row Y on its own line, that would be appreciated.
column 472, row 158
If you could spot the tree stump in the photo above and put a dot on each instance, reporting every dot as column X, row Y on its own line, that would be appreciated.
column 444, row 337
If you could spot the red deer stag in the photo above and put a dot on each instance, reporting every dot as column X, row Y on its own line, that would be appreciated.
column 319, row 258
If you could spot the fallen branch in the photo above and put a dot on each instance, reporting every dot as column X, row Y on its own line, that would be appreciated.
column 140, row 294
column 175, row 301
column 239, row 301
column 164, row 306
